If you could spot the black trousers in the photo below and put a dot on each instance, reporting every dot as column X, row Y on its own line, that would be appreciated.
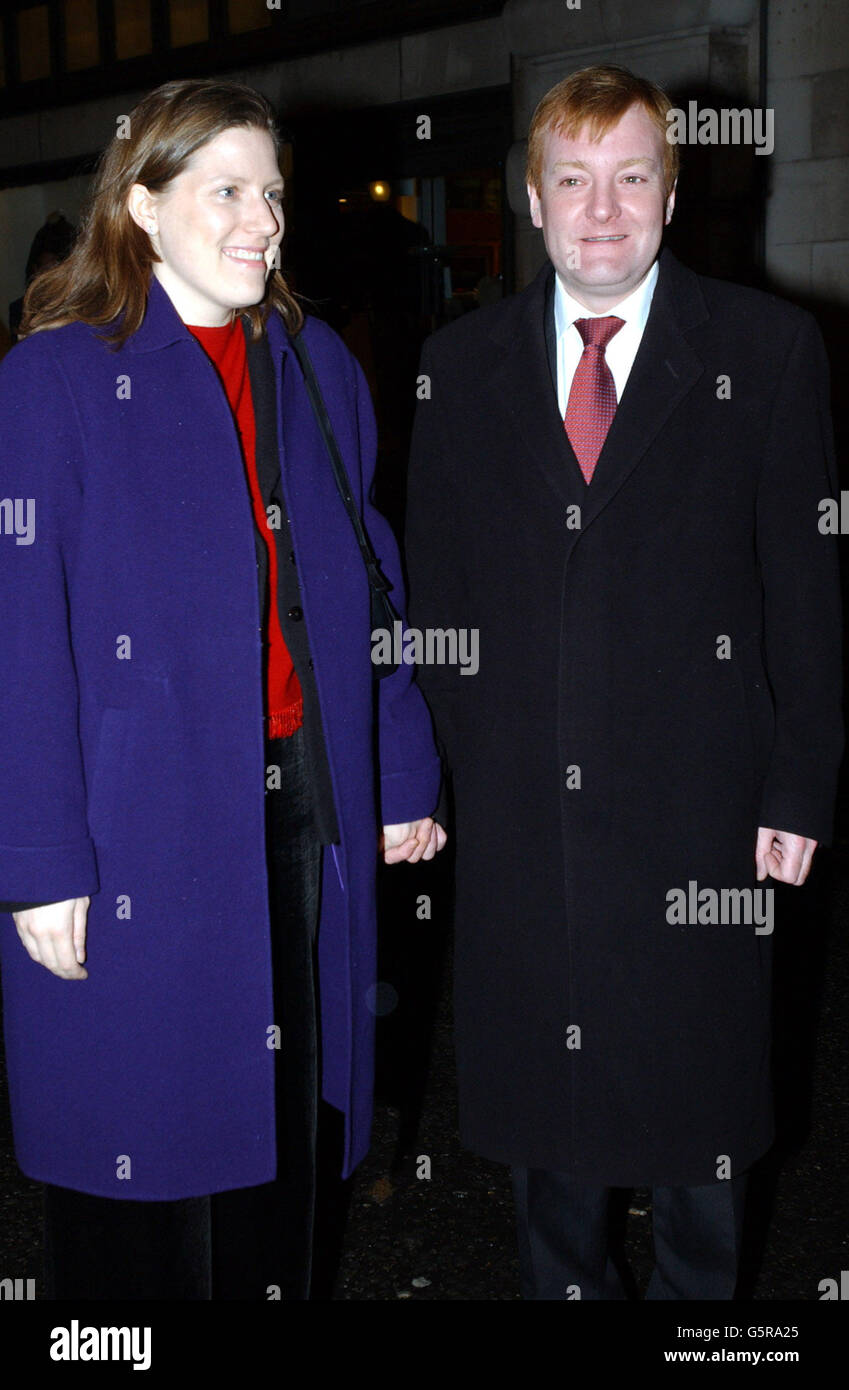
column 250, row 1242
column 563, row 1239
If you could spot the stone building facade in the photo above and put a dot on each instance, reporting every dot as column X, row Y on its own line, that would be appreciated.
column 792, row 56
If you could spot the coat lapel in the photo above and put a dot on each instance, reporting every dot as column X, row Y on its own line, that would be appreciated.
column 522, row 382
column 665, row 369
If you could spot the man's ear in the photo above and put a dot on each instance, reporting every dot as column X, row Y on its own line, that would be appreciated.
column 670, row 203
column 533, row 199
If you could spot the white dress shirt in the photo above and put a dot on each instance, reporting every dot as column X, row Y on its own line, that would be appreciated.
column 622, row 348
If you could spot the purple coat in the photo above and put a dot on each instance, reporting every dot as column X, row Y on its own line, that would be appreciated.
column 133, row 766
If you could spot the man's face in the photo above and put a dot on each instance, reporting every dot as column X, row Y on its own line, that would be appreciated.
column 602, row 208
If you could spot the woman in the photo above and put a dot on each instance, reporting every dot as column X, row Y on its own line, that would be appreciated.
column 187, row 684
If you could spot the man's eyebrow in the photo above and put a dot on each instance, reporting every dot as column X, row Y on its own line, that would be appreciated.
column 623, row 163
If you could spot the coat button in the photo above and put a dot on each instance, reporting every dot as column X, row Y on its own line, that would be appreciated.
column 310, row 663
column 292, row 556
column 296, row 614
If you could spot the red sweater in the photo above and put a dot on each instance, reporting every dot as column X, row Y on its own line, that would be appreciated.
column 226, row 348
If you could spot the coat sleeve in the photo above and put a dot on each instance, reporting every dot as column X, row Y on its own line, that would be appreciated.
column 46, row 853
column 801, row 597
column 435, row 554
column 410, row 771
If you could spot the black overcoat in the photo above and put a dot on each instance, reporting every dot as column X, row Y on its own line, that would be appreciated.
column 659, row 675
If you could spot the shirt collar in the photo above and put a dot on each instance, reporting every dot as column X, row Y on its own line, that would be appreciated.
column 634, row 309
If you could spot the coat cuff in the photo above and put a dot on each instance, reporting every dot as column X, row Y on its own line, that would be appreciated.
column 410, row 795
column 48, row 873
column 798, row 816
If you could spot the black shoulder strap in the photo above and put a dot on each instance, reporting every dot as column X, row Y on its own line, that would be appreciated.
column 376, row 579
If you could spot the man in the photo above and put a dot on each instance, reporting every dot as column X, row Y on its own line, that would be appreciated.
column 616, row 480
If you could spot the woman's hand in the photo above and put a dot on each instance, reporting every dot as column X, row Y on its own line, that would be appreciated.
column 54, row 936
column 418, row 839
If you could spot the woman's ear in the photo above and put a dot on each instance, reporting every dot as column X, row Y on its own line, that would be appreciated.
column 141, row 206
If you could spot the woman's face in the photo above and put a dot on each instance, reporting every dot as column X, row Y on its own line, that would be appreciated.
column 217, row 226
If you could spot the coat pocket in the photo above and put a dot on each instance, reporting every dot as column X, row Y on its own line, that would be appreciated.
column 109, row 781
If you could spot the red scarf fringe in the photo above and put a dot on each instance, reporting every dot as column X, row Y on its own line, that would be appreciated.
column 283, row 723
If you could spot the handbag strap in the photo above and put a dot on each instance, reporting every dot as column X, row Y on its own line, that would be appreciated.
column 376, row 579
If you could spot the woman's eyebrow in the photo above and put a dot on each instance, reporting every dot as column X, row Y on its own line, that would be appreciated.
column 237, row 178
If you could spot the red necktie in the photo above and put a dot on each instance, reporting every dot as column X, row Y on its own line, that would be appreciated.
column 592, row 399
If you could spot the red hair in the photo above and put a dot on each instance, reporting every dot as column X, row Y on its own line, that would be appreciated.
column 598, row 97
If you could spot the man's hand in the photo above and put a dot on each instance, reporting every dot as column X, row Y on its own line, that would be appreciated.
column 784, row 856
column 54, row 935
column 418, row 839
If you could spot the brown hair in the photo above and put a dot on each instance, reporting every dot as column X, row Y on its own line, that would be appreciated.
column 108, row 271
column 598, row 97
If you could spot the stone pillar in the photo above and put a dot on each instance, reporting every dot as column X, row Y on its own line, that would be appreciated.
column 807, row 228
